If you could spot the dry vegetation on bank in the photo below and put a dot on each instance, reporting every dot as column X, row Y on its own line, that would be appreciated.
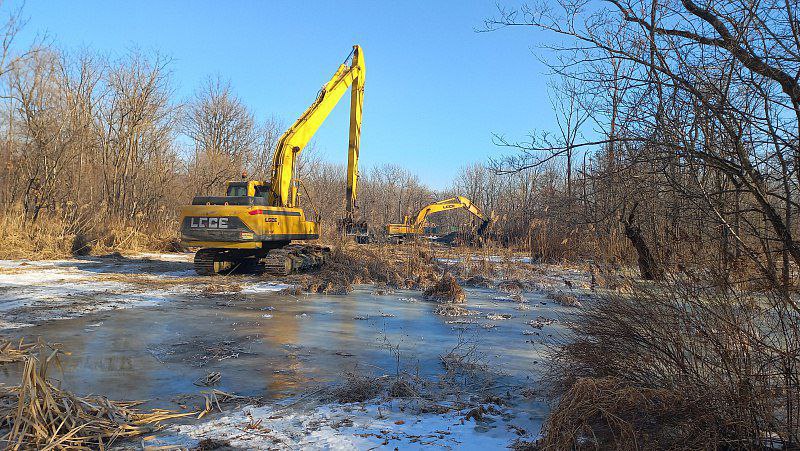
column 37, row 414
column 389, row 266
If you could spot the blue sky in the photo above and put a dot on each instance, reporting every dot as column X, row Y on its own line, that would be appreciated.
column 436, row 90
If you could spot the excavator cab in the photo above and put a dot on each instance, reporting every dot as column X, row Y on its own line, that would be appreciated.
column 251, row 188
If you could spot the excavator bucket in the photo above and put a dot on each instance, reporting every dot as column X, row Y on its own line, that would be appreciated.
column 359, row 230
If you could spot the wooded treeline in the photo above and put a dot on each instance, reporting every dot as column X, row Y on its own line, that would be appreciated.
column 97, row 143
column 673, row 148
column 678, row 121
column 94, row 142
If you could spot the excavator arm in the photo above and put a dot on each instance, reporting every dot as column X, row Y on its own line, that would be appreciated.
column 294, row 140
column 447, row 204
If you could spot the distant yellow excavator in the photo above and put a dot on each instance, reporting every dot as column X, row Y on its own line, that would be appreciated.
column 412, row 229
column 255, row 222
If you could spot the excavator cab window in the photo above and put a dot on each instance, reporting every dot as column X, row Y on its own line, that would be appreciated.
column 237, row 190
column 263, row 190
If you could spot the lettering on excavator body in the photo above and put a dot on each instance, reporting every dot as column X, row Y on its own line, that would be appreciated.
column 208, row 223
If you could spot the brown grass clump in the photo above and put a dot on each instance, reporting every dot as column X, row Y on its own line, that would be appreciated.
column 608, row 413
column 293, row 290
column 451, row 310
column 446, row 291
column 222, row 287
column 38, row 415
column 565, row 299
column 511, row 286
column 358, row 388
column 478, row 281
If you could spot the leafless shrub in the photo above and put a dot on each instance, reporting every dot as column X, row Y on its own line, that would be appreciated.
column 699, row 367
column 464, row 357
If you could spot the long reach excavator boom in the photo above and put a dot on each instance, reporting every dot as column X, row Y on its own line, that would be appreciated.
column 417, row 227
column 294, row 140
column 255, row 222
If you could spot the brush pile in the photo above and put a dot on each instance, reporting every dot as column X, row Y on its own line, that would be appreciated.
column 39, row 415
column 353, row 265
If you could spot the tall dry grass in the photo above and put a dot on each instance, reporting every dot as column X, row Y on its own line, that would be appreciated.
column 65, row 234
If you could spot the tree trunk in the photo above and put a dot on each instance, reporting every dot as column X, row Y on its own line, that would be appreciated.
column 648, row 266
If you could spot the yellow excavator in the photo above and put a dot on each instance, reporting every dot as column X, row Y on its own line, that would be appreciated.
column 410, row 229
column 256, row 221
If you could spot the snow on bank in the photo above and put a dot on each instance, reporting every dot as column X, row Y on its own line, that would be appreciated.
column 354, row 426
column 32, row 292
column 264, row 287
column 181, row 257
column 26, row 306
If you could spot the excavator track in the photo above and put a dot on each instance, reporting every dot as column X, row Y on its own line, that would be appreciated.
column 204, row 262
column 294, row 258
column 209, row 262
column 280, row 262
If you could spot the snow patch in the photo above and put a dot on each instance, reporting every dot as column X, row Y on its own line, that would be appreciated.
column 351, row 426
column 264, row 287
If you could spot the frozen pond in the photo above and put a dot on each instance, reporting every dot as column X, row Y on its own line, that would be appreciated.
column 263, row 343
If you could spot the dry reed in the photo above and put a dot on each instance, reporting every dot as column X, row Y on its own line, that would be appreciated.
column 39, row 415
column 15, row 351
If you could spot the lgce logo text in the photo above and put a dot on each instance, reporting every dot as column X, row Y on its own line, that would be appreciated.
column 208, row 223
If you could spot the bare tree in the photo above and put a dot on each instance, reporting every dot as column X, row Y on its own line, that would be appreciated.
column 224, row 135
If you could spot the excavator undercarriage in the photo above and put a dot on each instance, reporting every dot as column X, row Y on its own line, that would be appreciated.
column 279, row 261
